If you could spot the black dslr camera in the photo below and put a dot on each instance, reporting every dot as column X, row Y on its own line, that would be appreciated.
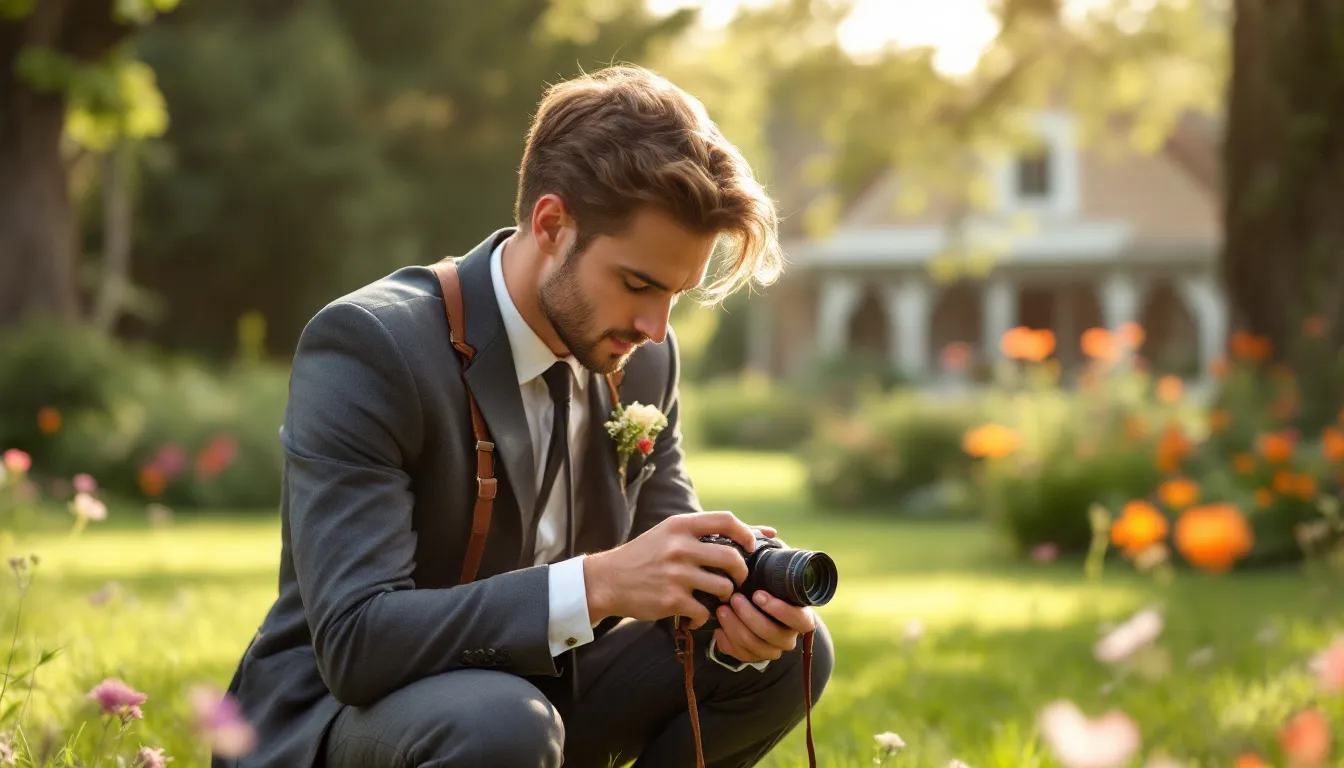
column 800, row 577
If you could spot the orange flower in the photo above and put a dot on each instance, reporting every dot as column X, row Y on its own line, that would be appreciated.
column 955, row 356
column 49, row 420
column 1172, row 449
column 1314, row 327
column 1243, row 463
column 1130, row 334
column 1250, row 760
column 1213, row 536
column 1286, row 406
column 1276, row 447
column 1264, row 498
column 1332, row 444
column 1178, row 493
column 1139, row 527
column 1099, row 344
column 1248, row 346
column 1136, row 427
column 1169, row 389
column 1305, row 487
column 1219, row 420
column 152, row 480
column 1285, row 482
column 1024, row 343
column 991, row 441
column 1306, row 739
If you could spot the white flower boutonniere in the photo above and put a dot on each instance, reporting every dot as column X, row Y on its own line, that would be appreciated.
column 635, row 429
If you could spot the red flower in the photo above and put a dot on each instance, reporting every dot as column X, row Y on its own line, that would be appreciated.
column 645, row 445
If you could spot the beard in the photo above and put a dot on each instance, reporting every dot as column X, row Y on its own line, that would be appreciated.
column 571, row 315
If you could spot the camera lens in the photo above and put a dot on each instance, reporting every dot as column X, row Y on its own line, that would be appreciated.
column 797, row 576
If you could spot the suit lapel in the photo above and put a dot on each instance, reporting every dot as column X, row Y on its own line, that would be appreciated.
column 492, row 377
column 602, row 515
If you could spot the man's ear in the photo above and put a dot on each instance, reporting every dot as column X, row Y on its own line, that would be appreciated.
column 552, row 226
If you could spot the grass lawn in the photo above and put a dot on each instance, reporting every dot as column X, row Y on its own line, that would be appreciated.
column 1000, row 639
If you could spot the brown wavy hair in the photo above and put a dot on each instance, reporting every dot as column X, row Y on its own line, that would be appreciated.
column 616, row 140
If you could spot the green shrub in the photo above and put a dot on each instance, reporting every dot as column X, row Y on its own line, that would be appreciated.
column 748, row 412
column 901, row 452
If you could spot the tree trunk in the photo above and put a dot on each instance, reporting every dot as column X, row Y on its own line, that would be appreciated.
column 117, row 220
column 1283, row 250
column 37, row 247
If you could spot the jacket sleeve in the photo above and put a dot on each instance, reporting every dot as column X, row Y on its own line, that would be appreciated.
column 668, row 491
column 353, row 425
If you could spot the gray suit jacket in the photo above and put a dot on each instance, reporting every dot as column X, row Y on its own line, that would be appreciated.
column 378, row 488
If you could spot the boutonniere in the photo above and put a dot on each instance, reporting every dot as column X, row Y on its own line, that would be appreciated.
column 634, row 429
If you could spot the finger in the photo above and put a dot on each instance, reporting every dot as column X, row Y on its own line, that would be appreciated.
column 766, row 531
column 693, row 610
column 725, row 646
column 761, row 625
column 798, row 618
column 724, row 558
column 723, row 523
column 743, row 638
column 713, row 583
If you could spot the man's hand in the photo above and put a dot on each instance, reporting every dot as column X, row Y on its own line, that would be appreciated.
column 653, row 576
column 747, row 633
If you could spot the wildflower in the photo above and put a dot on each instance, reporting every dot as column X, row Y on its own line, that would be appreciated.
column 991, row 441
column 85, row 483
column 1249, row 347
column 1169, row 389
column 1152, row 556
column 86, row 507
column 1276, row 447
column 1305, row 487
column 1127, row 639
column 149, row 757
column 117, row 698
column 1173, row 448
column 1108, row 741
column 1140, row 525
column 1044, row 553
column 1328, row 667
column 1024, row 343
column 1264, row 498
column 914, row 630
column 1306, row 739
column 955, row 357
column 1179, row 493
column 890, row 743
column 219, row 719
column 1250, row 760
column 17, row 462
column 1243, row 463
column 1285, row 482
column 49, row 420
column 1332, row 445
column 1130, row 334
column 152, row 480
column 1219, row 420
column 1099, row 344
column 1213, row 536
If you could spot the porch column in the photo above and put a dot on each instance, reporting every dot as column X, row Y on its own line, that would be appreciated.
column 1205, row 299
column 760, row 311
column 909, row 309
column 839, row 297
column 1120, row 297
column 1000, row 314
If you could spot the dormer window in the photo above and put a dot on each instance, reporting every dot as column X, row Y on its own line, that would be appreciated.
column 1042, row 178
column 1033, row 174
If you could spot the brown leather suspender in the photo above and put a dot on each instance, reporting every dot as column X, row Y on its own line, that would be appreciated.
column 487, row 485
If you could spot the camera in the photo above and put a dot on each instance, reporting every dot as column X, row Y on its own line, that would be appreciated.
column 799, row 577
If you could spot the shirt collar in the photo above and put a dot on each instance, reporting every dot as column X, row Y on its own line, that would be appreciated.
column 531, row 356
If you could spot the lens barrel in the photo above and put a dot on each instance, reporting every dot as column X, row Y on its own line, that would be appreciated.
column 800, row 577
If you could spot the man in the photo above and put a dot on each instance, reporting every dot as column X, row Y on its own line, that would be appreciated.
column 560, row 647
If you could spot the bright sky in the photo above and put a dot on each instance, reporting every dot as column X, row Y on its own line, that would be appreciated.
column 958, row 30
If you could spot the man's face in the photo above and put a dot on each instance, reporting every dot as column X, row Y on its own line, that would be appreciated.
column 618, row 293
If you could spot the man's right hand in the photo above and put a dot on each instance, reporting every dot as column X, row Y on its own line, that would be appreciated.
column 653, row 576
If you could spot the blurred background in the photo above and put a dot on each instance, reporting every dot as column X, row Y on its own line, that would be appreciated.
column 1065, row 286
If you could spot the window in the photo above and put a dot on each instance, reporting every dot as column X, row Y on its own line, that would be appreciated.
column 1033, row 174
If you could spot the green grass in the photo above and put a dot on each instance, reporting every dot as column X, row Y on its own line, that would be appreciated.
column 1001, row 639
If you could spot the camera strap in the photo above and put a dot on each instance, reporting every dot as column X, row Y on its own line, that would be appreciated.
column 487, row 484
column 686, row 655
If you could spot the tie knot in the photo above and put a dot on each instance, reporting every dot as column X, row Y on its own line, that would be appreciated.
column 557, row 381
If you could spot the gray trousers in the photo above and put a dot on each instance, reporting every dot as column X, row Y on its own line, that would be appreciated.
column 631, row 705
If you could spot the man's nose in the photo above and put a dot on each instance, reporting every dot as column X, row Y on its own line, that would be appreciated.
column 653, row 325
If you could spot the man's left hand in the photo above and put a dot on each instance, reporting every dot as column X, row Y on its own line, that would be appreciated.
column 746, row 631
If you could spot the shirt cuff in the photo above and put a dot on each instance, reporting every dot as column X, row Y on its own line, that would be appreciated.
column 568, row 626
column 714, row 656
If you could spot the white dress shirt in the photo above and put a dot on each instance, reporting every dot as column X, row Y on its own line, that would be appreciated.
column 569, row 625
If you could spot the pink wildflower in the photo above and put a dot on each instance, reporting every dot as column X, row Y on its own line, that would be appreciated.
column 220, row 720
column 17, row 461
column 150, row 758
column 87, row 507
column 84, row 483
column 1044, row 553
column 1108, row 741
column 118, row 698
column 1127, row 639
column 1329, row 667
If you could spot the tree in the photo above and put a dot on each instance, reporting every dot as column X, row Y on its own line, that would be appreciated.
column 60, row 60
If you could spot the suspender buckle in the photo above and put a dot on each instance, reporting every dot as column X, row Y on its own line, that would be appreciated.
column 485, row 445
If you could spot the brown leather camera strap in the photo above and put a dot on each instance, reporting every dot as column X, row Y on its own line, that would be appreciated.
column 686, row 655
column 486, row 482
column 487, row 485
